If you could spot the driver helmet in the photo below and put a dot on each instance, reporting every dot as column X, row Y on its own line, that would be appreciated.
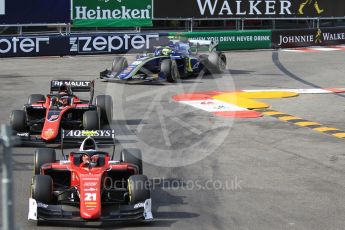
column 89, row 144
column 166, row 51
column 63, row 89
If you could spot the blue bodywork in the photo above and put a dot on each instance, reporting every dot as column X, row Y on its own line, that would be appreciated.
column 147, row 67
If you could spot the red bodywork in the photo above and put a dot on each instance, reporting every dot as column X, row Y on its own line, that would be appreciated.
column 54, row 115
column 90, row 182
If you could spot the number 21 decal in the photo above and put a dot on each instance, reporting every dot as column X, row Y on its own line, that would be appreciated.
column 90, row 196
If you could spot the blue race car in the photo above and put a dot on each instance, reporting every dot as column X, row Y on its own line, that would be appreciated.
column 168, row 63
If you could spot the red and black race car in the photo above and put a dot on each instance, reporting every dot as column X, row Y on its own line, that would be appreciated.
column 44, row 116
column 88, row 186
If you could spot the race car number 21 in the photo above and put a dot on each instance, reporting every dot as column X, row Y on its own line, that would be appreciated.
column 90, row 196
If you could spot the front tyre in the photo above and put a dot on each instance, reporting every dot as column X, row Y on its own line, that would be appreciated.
column 18, row 120
column 138, row 189
column 34, row 98
column 119, row 64
column 43, row 156
column 105, row 103
column 42, row 188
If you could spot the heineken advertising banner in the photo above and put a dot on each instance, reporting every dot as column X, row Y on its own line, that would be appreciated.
column 233, row 40
column 308, row 37
column 112, row 13
column 248, row 8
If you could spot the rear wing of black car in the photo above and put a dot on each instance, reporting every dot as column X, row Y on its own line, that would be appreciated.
column 200, row 45
column 211, row 45
column 75, row 137
column 75, row 86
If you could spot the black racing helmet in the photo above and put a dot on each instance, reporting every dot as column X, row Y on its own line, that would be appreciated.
column 65, row 89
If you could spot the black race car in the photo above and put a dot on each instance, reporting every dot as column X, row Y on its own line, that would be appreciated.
column 42, row 118
column 169, row 63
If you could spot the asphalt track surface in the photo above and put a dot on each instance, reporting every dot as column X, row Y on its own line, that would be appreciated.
column 243, row 174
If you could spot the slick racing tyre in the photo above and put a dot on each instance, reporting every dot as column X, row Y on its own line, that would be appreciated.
column 216, row 62
column 43, row 156
column 18, row 120
column 91, row 120
column 105, row 103
column 170, row 70
column 119, row 64
column 138, row 189
column 42, row 188
column 34, row 98
column 132, row 156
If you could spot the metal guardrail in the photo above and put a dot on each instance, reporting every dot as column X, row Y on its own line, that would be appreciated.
column 189, row 24
column 7, row 141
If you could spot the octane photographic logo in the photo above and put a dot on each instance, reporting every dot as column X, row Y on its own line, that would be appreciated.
column 2, row 7
column 169, row 134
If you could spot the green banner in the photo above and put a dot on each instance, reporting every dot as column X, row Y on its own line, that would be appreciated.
column 112, row 13
column 234, row 40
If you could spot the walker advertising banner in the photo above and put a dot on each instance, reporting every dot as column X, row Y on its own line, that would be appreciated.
column 14, row 12
column 112, row 13
column 248, row 8
column 233, row 40
column 308, row 37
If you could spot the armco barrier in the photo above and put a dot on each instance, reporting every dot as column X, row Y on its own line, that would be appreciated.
column 308, row 37
column 79, row 44
column 233, row 40
column 86, row 44
column 116, row 43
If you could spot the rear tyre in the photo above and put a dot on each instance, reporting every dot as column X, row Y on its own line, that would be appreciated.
column 119, row 64
column 105, row 103
column 43, row 156
column 18, row 120
column 216, row 62
column 138, row 189
column 132, row 156
column 170, row 70
column 34, row 98
column 42, row 188
column 91, row 120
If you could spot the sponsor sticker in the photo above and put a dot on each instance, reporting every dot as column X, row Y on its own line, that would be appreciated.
column 23, row 134
column 41, row 205
column 139, row 205
column 90, row 133
column 90, row 184
column 56, row 83
column 22, row 45
column 108, row 44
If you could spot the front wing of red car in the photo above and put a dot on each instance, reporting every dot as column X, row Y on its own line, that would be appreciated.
column 110, row 213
